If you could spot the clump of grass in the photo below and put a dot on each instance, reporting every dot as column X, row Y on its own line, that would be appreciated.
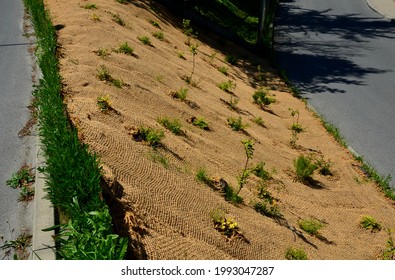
column 227, row 86
column 154, row 23
column 370, row 223
column 267, row 209
column 152, row 136
column 117, row 83
column 159, row 35
column 231, row 195
column 20, row 246
column 261, row 98
column 201, row 123
column 90, row 6
column 145, row 40
column 304, row 169
column 232, row 104
column 181, row 55
column 201, row 175
column 126, row 49
column 311, row 226
column 260, row 172
column 236, row 124
column 324, row 166
column 223, row 70
column 95, row 17
column 181, row 94
column 26, row 193
column 295, row 254
column 104, row 102
column 103, row 52
column 104, row 75
column 231, row 59
column 259, row 121
column 118, row 19
column 24, row 177
column 174, row 125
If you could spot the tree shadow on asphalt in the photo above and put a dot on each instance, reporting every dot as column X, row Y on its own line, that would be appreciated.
column 317, row 49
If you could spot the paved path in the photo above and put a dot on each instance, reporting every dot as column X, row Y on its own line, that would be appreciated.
column 15, row 96
column 340, row 54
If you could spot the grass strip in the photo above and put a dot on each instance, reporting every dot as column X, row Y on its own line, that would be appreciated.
column 72, row 172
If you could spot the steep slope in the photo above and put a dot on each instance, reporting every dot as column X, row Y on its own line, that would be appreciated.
column 167, row 211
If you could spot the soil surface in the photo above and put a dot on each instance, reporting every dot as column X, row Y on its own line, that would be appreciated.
column 157, row 200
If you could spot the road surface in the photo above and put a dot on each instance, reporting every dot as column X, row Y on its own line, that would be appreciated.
column 15, row 95
column 341, row 55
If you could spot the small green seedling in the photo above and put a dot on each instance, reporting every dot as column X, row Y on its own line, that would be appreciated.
column 90, row 6
column 154, row 23
column 227, row 86
column 370, row 223
column 181, row 94
column 126, row 49
column 261, row 98
column 223, row 70
column 295, row 254
column 104, row 103
column 159, row 35
column 311, row 226
column 174, row 125
column 118, row 20
column 145, row 40
column 24, row 177
column 201, row 123
column 237, row 124
column 304, row 169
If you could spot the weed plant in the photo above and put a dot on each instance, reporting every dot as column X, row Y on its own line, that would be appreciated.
column 304, row 169
column 181, row 94
column 223, row 70
column 311, row 226
column 123, row 1
column 193, row 49
column 174, row 125
column 231, row 59
column 232, row 104
column 201, row 176
column 231, row 196
column 90, row 6
column 188, row 31
column 227, row 226
column 227, row 86
column 389, row 252
column 145, row 40
column 261, row 98
column 154, row 23
column 324, row 166
column 159, row 35
column 295, row 254
column 103, row 52
column 95, row 17
column 181, row 55
column 259, row 171
column 26, row 193
column 126, row 49
column 152, row 136
column 201, row 123
column 249, row 152
column 104, row 102
column 158, row 157
column 267, row 209
column 259, row 121
column 19, row 246
column 370, row 223
column 236, row 124
column 118, row 20
column 22, row 178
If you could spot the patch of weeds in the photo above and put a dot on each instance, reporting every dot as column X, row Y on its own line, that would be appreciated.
column 181, row 94
column 370, row 223
column 225, row 225
column 158, row 157
column 104, row 75
column 104, row 102
column 103, row 52
column 227, row 86
column 201, row 176
column 389, row 252
column 118, row 20
column 304, row 169
column 223, row 70
column 95, row 17
column 236, row 124
column 324, row 166
column 267, row 209
column 311, row 226
column 159, row 35
column 261, row 97
column 154, row 23
column 232, row 104
column 126, row 49
column 181, row 55
column 145, row 40
column 260, row 172
column 231, row 195
column 200, row 122
column 20, row 246
column 174, row 125
column 26, row 193
column 231, row 59
column 152, row 136
column 90, row 6
column 23, row 178
column 117, row 83
column 293, row 253
column 259, row 121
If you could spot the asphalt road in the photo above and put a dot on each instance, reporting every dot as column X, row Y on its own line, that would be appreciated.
column 15, row 95
column 341, row 55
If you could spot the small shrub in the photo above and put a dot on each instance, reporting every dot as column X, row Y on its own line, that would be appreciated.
column 174, row 125
column 231, row 196
column 201, row 123
column 152, row 136
column 223, row 70
column 103, row 74
column 261, row 98
column 267, row 209
column 104, row 102
column 227, row 86
column 324, row 167
column 295, row 254
column 159, row 35
column 237, row 124
column 126, row 49
column 145, row 40
column 231, row 59
column 259, row 121
column 368, row 222
column 311, row 226
column 90, row 6
column 154, row 23
column 304, row 168
column 181, row 94
column 103, row 52
column 118, row 20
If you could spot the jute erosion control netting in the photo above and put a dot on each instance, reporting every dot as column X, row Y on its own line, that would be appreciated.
column 167, row 212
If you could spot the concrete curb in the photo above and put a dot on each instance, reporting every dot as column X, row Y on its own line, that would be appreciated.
column 381, row 10
column 43, row 244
